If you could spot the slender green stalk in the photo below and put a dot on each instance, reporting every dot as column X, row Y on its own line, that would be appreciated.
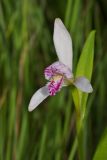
column 42, row 143
column 73, row 149
column 11, row 123
column 22, row 139
column 68, row 12
column 75, row 14
column 58, row 155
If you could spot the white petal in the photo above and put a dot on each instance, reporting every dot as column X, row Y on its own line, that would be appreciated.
column 38, row 97
column 63, row 43
column 83, row 84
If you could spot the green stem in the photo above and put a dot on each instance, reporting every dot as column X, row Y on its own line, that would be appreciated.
column 43, row 141
column 73, row 150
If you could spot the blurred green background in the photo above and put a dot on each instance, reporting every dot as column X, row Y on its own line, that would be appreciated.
column 26, row 48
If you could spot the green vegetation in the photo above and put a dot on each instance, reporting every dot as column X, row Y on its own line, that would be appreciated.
column 58, row 128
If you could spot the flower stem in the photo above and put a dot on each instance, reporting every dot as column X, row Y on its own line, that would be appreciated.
column 73, row 150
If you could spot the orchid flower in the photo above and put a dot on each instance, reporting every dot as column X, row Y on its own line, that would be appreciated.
column 59, row 74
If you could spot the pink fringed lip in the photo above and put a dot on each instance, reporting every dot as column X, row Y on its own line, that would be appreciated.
column 54, row 86
column 56, row 73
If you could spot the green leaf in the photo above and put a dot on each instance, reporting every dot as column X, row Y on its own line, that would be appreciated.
column 101, row 151
column 85, row 64
column 84, row 68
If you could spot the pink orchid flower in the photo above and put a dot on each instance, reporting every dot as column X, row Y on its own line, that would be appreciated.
column 59, row 74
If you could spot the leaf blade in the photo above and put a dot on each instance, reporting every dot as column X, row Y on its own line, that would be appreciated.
column 86, row 58
column 101, row 151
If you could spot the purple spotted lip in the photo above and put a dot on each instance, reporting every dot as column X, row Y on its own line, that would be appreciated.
column 57, row 74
